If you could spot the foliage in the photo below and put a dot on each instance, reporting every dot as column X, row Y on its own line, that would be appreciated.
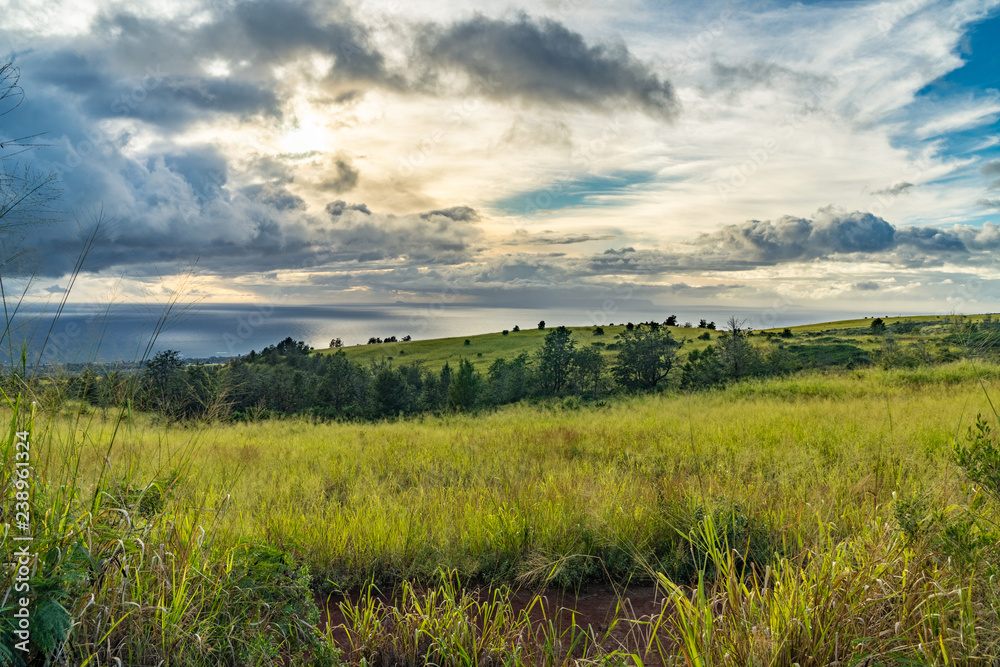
column 555, row 360
column 980, row 457
column 646, row 356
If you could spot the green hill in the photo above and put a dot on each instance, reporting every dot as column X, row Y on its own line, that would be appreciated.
column 484, row 349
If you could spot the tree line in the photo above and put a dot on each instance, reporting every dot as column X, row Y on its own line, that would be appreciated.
column 289, row 378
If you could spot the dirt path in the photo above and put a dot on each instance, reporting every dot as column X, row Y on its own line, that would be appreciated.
column 620, row 619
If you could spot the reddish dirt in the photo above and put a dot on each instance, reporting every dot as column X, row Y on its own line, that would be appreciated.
column 598, row 607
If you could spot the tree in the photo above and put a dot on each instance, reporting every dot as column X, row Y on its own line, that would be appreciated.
column 739, row 358
column 555, row 360
column 336, row 342
column 516, row 328
column 598, row 331
column 702, row 370
column 466, row 387
column 541, row 325
column 645, row 357
column 670, row 321
column 589, row 364
column 877, row 327
column 787, row 333
column 509, row 381
column 165, row 387
column 390, row 391
column 703, row 324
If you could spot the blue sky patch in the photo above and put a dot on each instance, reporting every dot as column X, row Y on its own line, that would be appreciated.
column 587, row 191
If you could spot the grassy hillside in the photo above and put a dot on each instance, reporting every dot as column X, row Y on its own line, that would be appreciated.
column 484, row 349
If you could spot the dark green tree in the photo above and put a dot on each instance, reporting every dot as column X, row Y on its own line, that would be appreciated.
column 739, row 358
column 590, row 365
column 645, row 357
column 390, row 391
column 877, row 326
column 702, row 370
column 466, row 387
column 555, row 360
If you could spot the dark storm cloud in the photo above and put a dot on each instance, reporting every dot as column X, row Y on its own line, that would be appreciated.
column 830, row 234
column 930, row 239
column 790, row 238
column 275, row 196
column 992, row 170
column 337, row 208
column 753, row 74
column 543, row 61
column 257, row 35
column 896, row 190
column 344, row 176
column 550, row 238
column 457, row 213
column 425, row 238
column 151, row 68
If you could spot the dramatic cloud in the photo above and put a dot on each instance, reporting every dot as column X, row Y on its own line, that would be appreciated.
column 337, row 208
column 344, row 176
column 790, row 238
column 992, row 170
column 543, row 61
column 829, row 235
column 294, row 146
column 894, row 191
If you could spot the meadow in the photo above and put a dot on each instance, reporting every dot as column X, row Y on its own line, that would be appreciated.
column 484, row 349
column 814, row 519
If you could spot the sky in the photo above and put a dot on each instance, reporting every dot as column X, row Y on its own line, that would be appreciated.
column 830, row 156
